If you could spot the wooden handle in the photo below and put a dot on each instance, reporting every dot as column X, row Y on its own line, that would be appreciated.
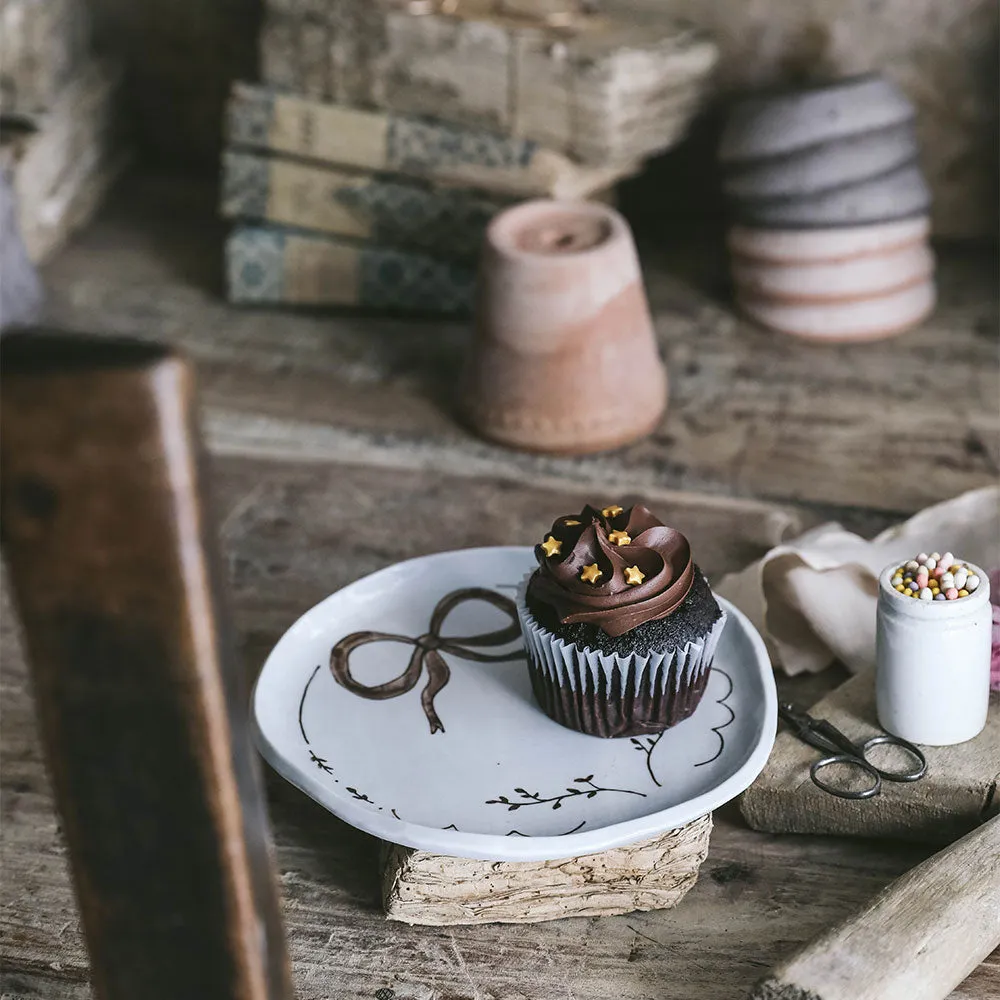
column 141, row 702
column 916, row 940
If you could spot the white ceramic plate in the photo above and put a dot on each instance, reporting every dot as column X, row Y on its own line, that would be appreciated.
column 501, row 781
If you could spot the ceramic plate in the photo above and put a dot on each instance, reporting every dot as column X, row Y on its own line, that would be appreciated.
column 423, row 742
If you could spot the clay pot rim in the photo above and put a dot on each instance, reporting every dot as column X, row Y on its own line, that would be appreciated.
column 738, row 233
column 814, row 85
column 502, row 230
column 885, row 330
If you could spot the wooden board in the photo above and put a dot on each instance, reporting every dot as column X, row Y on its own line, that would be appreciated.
column 916, row 940
column 334, row 454
column 419, row 887
column 957, row 793
column 141, row 702
column 282, row 528
column 751, row 415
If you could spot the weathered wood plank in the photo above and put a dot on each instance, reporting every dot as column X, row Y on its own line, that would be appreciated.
column 336, row 454
column 141, row 704
column 917, row 940
column 752, row 414
column 957, row 793
column 291, row 533
column 420, row 887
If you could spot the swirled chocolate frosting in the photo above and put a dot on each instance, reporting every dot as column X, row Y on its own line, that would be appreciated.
column 615, row 568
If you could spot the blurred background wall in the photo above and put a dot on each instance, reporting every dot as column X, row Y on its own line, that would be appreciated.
column 182, row 54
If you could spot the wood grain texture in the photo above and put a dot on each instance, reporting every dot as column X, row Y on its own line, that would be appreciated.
column 752, row 414
column 419, row 887
column 334, row 454
column 286, row 545
column 916, row 940
column 958, row 792
column 142, row 717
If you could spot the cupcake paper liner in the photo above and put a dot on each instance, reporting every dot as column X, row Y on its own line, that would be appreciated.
column 606, row 694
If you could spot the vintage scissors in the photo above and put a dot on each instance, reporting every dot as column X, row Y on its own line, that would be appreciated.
column 842, row 750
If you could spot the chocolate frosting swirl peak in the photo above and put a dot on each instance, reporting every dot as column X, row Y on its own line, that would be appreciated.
column 662, row 555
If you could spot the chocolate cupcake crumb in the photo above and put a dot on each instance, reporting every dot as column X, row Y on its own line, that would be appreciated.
column 695, row 617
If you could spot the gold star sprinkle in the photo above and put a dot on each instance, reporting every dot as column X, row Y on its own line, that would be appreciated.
column 634, row 576
column 619, row 537
column 613, row 511
column 570, row 521
column 590, row 574
column 552, row 546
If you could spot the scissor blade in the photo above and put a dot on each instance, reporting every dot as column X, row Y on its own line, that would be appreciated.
column 800, row 721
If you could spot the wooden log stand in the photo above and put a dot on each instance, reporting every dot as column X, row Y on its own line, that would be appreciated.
column 419, row 887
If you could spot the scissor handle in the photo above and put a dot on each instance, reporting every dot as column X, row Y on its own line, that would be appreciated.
column 855, row 761
column 896, row 741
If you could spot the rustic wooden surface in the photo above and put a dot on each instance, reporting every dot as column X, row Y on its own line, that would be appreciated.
column 334, row 453
column 958, row 792
column 420, row 887
column 917, row 940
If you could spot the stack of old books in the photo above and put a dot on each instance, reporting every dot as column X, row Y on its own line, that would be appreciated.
column 59, row 146
column 386, row 134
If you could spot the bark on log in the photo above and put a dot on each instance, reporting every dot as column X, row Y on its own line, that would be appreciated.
column 419, row 887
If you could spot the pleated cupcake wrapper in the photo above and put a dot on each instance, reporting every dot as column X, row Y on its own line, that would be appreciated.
column 666, row 685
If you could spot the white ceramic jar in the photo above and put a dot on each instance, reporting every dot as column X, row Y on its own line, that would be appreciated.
column 932, row 674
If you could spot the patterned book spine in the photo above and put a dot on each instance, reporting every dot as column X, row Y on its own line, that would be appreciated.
column 266, row 265
column 447, row 221
column 288, row 124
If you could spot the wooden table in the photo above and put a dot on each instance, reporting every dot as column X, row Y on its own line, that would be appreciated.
column 335, row 452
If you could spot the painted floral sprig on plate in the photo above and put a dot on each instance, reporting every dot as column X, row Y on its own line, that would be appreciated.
column 556, row 801
column 647, row 744
column 320, row 762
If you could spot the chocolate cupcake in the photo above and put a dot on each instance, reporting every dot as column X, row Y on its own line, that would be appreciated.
column 619, row 623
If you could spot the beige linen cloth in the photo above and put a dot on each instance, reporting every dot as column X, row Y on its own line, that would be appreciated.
column 813, row 598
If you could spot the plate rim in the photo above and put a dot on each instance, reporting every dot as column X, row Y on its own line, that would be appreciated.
column 498, row 847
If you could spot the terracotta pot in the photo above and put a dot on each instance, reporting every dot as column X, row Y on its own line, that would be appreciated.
column 783, row 122
column 900, row 194
column 564, row 358
column 834, row 281
column 869, row 318
column 818, row 168
column 795, row 246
